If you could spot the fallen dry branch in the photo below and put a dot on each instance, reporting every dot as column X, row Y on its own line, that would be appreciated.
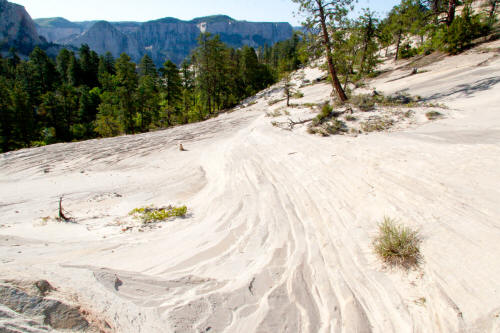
column 290, row 124
column 62, row 213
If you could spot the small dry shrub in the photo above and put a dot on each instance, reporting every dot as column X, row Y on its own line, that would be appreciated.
column 377, row 124
column 274, row 101
column 367, row 102
column 433, row 115
column 409, row 114
column 364, row 102
column 397, row 245
column 309, row 105
column 298, row 95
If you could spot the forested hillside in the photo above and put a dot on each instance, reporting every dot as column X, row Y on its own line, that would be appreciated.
column 83, row 95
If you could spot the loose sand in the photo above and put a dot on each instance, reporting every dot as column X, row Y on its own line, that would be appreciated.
column 280, row 224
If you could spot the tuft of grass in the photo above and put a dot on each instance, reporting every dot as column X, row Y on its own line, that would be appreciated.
column 433, row 115
column 350, row 118
column 397, row 245
column 151, row 214
column 421, row 301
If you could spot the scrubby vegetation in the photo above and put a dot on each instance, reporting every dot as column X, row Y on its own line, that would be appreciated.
column 377, row 124
column 326, row 123
column 433, row 115
column 397, row 245
column 368, row 102
column 152, row 214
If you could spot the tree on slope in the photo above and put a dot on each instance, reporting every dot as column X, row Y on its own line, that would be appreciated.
column 172, row 90
column 321, row 15
column 452, row 4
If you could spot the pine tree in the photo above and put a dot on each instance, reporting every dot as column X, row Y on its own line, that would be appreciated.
column 148, row 99
column 147, row 67
column 321, row 15
column 126, row 79
column 74, row 72
column 172, row 87
column 45, row 75
column 62, row 64
column 89, row 63
column 6, row 121
column 24, row 124
column 187, row 78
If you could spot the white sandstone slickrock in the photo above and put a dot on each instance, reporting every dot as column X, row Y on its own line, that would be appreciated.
column 280, row 226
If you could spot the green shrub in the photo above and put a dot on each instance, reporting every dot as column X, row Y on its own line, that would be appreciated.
column 397, row 245
column 325, row 114
column 406, row 51
column 152, row 214
column 37, row 144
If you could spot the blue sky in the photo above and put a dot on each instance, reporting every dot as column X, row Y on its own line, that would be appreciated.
column 144, row 10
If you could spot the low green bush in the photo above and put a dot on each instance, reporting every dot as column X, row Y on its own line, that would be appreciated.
column 406, row 51
column 325, row 114
column 151, row 214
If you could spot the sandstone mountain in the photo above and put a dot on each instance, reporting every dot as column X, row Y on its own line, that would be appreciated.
column 17, row 28
column 162, row 39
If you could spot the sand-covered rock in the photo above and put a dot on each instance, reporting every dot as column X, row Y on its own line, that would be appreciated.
column 280, row 225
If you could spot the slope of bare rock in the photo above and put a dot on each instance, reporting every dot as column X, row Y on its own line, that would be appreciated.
column 280, row 224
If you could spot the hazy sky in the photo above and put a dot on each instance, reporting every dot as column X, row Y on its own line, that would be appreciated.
column 144, row 10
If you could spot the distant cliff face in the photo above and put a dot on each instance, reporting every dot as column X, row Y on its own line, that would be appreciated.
column 17, row 28
column 58, row 29
column 103, row 37
column 163, row 39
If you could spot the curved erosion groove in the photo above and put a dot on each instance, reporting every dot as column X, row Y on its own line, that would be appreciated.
column 280, row 231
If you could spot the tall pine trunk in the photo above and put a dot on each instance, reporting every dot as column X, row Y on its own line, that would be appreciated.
column 398, row 44
column 493, row 9
column 326, row 41
column 452, row 4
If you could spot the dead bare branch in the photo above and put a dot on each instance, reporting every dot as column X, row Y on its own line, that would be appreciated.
column 62, row 213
